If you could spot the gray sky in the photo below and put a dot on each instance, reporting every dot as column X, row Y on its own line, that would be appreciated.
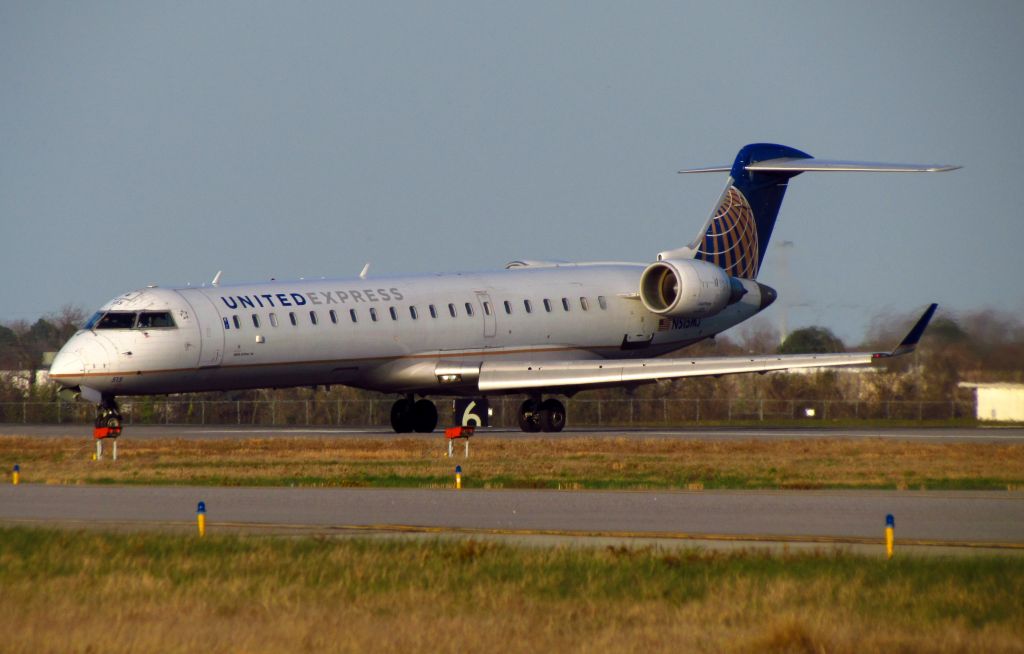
column 144, row 142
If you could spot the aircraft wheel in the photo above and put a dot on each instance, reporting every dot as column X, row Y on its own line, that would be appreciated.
column 108, row 416
column 528, row 416
column 424, row 416
column 552, row 415
column 402, row 416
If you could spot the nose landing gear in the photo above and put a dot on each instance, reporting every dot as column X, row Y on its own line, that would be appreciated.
column 108, row 420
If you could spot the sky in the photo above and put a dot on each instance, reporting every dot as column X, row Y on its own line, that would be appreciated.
column 145, row 142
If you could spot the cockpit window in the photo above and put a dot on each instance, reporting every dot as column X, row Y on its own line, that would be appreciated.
column 130, row 319
column 116, row 320
column 91, row 322
column 154, row 319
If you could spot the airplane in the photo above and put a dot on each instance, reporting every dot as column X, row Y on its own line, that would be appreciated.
column 535, row 328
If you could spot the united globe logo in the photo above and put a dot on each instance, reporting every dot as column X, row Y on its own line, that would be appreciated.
column 731, row 238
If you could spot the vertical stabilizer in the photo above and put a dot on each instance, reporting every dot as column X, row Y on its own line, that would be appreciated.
column 736, row 236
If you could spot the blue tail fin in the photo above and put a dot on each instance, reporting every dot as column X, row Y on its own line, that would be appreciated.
column 736, row 235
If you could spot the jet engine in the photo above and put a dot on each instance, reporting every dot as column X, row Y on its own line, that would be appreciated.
column 688, row 288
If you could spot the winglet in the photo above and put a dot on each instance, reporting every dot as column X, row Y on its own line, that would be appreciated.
column 910, row 341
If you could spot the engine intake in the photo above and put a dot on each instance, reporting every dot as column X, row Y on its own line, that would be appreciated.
column 688, row 288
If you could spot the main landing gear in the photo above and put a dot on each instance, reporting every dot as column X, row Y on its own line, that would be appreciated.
column 409, row 415
column 419, row 416
column 548, row 415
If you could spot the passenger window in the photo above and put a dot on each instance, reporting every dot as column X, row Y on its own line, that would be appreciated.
column 255, row 321
column 487, row 308
column 414, row 313
column 273, row 320
column 352, row 314
column 565, row 303
column 334, row 316
column 601, row 302
column 373, row 314
column 227, row 324
column 291, row 316
column 584, row 304
column 547, row 305
column 469, row 309
column 393, row 312
column 234, row 319
column 528, row 306
column 433, row 311
column 508, row 307
column 451, row 310
column 312, row 317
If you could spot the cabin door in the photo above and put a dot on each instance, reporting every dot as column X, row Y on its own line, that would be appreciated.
column 488, row 311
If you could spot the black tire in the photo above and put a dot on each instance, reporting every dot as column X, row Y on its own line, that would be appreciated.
column 552, row 415
column 424, row 416
column 528, row 416
column 402, row 416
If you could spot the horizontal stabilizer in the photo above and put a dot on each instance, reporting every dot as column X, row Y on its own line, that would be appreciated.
column 831, row 165
column 801, row 165
column 708, row 169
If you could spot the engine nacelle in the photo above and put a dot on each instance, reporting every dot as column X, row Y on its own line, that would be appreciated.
column 688, row 288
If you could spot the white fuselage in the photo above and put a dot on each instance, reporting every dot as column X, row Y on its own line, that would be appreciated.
column 391, row 334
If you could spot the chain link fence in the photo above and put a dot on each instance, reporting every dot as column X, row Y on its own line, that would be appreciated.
column 581, row 412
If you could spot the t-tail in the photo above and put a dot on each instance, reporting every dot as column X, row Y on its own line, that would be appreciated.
column 735, row 236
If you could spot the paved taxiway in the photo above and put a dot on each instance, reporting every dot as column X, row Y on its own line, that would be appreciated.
column 210, row 432
column 949, row 519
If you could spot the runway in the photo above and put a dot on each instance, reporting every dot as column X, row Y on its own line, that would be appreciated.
column 210, row 432
column 939, row 520
column 931, row 521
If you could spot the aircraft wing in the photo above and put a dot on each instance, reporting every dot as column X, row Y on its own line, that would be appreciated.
column 526, row 375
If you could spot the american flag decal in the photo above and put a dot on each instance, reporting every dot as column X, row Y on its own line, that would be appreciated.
column 731, row 239
column 664, row 324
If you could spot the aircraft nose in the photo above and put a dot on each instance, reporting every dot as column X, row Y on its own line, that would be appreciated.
column 80, row 354
column 768, row 295
column 67, row 367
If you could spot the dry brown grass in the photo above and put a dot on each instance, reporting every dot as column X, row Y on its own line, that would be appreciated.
column 422, row 622
column 68, row 591
column 595, row 462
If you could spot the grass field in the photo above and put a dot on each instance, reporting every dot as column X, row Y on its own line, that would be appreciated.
column 524, row 462
column 104, row 592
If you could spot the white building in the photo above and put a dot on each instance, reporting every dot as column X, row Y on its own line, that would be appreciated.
column 999, row 402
